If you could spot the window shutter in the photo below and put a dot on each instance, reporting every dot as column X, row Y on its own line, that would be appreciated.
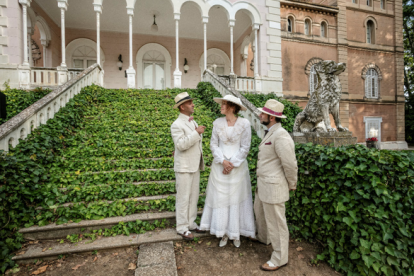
column 376, row 86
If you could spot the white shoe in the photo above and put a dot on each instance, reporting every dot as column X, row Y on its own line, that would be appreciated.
column 236, row 243
column 223, row 241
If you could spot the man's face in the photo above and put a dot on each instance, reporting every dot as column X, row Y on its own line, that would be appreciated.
column 264, row 119
column 187, row 107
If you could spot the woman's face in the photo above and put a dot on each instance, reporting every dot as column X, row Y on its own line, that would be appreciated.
column 225, row 109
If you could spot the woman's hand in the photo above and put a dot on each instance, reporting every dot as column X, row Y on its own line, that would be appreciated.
column 227, row 167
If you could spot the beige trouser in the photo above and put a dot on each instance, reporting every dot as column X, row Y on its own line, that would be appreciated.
column 272, row 228
column 188, row 190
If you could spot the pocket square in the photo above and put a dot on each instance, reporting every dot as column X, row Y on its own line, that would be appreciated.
column 268, row 143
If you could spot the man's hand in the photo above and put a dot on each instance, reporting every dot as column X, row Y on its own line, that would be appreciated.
column 200, row 129
column 292, row 190
column 227, row 167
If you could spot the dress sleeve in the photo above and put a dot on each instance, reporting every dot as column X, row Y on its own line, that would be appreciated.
column 214, row 147
column 246, row 139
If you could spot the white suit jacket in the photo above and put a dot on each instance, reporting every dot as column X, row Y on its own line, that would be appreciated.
column 277, row 169
column 188, row 156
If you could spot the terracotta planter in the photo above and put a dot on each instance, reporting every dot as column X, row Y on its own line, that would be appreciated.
column 371, row 144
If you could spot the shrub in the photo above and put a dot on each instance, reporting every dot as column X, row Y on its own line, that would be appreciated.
column 18, row 100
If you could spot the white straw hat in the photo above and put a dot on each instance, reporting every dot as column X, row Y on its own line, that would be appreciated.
column 181, row 98
column 233, row 99
column 273, row 108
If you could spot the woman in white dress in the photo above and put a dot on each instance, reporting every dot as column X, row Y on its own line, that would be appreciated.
column 228, row 210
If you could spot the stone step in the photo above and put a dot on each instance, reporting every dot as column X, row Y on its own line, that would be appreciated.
column 54, row 248
column 156, row 259
column 54, row 231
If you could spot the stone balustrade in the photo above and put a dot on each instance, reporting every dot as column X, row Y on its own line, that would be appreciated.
column 223, row 87
column 40, row 76
column 245, row 84
column 41, row 111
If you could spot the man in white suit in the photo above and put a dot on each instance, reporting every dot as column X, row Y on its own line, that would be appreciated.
column 188, row 161
column 277, row 174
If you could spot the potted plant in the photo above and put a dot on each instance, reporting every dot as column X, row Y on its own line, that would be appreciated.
column 372, row 142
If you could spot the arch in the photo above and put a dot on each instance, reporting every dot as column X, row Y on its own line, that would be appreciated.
column 251, row 11
column 32, row 125
column 308, row 24
column 310, row 63
column 10, row 143
column 326, row 28
column 140, row 65
column 227, row 7
column 22, row 133
column 40, row 119
column 369, row 17
column 44, row 29
column 292, row 18
column 221, row 54
column 201, row 5
column 75, row 44
column 371, row 66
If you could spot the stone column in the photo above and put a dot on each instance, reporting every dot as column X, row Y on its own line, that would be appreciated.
column 130, row 71
column 24, row 68
column 231, row 25
column 63, row 68
column 97, row 6
column 205, row 21
column 177, row 72
column 257, row 80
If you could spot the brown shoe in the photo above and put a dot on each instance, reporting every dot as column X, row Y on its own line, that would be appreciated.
column 187, row 236
column 267, row 267
column 198, row 230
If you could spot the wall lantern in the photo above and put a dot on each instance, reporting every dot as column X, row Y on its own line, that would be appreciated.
column 154, row 26
column 186, row 67
column 119, row 63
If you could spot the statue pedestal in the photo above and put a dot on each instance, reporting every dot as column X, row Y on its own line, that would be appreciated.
column 336, row 139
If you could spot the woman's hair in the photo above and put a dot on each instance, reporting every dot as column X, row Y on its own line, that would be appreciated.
column 236, row 107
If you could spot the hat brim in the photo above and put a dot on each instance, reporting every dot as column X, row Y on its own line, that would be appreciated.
column 180, row 103
column 262, row 111
column 219, row 100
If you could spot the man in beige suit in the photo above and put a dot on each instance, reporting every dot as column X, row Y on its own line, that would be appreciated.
column 277, row 174
column 188, row 161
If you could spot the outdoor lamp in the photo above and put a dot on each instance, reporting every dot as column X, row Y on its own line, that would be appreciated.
column 186, row 67
column 119, row 63
column 154, row 26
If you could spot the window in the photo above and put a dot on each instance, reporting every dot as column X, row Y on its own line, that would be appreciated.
column 370, row 32
column 368, row 2
column 313, row 80
column 290, row 25
column 216, row 64
column 354, row 1
column 373, row 127
column 307, row 27
column 371, row 84
column 324, row 29
column 383, row 4
column 83, row 57
column 154, row 73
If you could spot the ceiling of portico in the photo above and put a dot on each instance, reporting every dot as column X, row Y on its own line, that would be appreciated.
column 114, row 18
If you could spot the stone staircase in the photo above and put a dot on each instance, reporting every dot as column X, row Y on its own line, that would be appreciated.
column 113, row 178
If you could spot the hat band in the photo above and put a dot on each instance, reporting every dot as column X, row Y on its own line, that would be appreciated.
column 272, row 112
column 183, row 99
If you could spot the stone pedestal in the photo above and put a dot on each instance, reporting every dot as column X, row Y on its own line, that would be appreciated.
column 62, row 74
column 131, row 77
column 177, row 78
column 336, row 139
column 24, row 76
column 232, row 80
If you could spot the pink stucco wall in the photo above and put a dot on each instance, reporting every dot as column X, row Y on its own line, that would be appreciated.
column 14, row 32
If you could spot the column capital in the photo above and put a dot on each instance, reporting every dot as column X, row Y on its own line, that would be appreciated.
column 205, row 19
column 97, row 7
column 232, row 22
column 177, row 16
column 255, row 26
column 25, row 2
column 130, row 11
column 63, row 4
column 44, row 42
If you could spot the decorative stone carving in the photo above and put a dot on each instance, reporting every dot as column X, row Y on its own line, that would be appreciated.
column 323, row 101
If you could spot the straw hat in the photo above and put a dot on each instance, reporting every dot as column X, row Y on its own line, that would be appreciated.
column 233, row 99
column 181, row 98
column 273, row 108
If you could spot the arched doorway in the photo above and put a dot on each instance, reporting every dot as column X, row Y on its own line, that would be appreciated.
column 81, row 53
column 153, row 67
column 217, row 61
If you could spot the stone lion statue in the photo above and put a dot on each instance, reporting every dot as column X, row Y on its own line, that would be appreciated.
column 323, row 101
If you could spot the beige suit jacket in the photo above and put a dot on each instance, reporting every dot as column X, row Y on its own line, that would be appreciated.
column 188, row 156
column 277, row 169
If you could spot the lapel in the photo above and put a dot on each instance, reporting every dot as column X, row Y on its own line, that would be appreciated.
column 270, row 133
column 185, row 119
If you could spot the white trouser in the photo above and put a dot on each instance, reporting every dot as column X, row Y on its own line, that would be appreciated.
column 272, row 228
column 188, row 190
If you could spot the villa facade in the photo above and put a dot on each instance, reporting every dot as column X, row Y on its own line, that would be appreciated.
column 263, row 46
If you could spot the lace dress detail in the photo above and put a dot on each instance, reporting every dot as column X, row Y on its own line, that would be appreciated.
column 229, row 206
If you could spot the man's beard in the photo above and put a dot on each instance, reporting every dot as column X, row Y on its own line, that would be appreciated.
column 266, row 123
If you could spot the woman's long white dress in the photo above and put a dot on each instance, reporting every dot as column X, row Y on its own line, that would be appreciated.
column 228, row 208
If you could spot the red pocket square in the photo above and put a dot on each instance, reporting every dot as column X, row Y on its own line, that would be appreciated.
column 268, row 143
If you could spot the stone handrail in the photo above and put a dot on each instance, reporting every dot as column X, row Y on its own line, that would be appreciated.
column 252, row 113
column 44, row 109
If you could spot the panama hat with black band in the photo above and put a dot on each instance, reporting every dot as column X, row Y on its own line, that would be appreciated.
column 181, row 98
column 273, row 108
column 232, row 99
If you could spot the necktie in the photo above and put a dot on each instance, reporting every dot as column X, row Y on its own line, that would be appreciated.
column 266, row 132
column 191, row 118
